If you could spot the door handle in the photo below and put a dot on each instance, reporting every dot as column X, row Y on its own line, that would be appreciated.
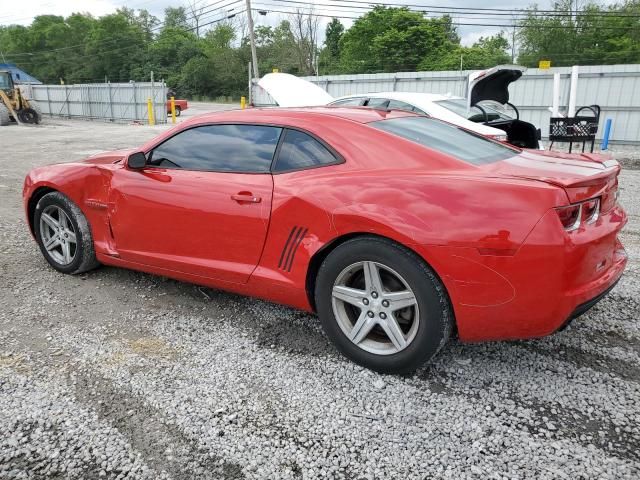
column 246, row 197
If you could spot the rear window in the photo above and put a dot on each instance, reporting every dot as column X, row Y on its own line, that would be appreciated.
column 448, row 139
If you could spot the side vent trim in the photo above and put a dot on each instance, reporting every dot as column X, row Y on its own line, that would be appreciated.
column 291, row 247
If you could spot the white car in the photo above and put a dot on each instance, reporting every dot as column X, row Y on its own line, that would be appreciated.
column 486, row 109
column 444, row 107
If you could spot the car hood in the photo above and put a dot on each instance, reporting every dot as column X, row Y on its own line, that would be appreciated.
column 492, row 84
column 290, row 91
column 580, row 175
column 105, row 158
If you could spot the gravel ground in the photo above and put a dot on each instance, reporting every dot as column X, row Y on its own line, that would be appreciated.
column 117, row 374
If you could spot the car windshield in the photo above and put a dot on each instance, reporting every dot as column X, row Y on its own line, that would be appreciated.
column 448, row 139
column 4, row 81
column 494, row 111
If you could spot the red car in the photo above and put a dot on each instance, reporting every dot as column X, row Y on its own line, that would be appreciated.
column 398, row 230
column 181, row 105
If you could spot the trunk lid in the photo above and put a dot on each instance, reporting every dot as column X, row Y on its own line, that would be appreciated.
column 492, row 84
column 290, row 91
column 582, row 176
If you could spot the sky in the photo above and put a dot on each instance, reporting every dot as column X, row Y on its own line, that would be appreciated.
column 469, row 34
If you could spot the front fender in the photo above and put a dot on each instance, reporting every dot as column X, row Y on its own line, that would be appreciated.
column 86, row 185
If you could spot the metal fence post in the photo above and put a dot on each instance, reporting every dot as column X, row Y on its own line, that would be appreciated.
column 66, row 100
column 135, row 101
column 110, row 101
column 48, row 100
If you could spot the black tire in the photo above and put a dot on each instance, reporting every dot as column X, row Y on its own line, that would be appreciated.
column 435, row 318
column 36, row 108
column 28, row 115
column 178, row 111
column 5, row 116
column 84, row 258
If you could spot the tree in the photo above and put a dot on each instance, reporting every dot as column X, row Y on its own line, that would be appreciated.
column 176, row 17
column 196, row 12
column 594, row 34
column 304, row 27
column 277, row 48
column 332, row 37
column 394, row 39
column 485, row 53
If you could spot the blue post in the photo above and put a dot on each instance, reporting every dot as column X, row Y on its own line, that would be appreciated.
column 607, row 133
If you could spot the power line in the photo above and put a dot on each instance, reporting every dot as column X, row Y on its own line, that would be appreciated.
column 476, row 24
column 502, row 11
column 458, row 11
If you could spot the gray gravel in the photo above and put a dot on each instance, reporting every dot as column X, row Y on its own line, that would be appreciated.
column 118, row 374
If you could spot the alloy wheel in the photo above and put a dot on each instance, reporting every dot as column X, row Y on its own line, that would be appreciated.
column 375, row 308
column 58, row 235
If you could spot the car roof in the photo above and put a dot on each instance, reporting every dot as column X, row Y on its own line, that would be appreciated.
column 289, row 115
column 409, row 97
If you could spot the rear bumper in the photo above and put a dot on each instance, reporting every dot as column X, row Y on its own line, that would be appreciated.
column 552, row 278
column 586, row 306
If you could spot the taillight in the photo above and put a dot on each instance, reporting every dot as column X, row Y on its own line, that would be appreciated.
column 576, row 214
column 591, row 210
column 570, row 216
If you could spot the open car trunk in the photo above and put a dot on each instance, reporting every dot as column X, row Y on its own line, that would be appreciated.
column 493, row 85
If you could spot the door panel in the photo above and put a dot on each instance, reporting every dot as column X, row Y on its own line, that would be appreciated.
column 206, row 223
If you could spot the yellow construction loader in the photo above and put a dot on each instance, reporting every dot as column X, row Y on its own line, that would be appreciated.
column 13, row 105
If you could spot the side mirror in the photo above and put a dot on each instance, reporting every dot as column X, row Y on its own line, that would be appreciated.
column 137, row 161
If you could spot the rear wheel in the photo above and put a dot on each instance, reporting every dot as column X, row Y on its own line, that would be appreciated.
column 5, row 117
column 36, row 108
column 63, row 234
column 382, row 306
column 28, row 115
column 178, row 111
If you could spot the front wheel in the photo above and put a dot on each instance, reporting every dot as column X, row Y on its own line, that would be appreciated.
column 382, row 306
column 63, row 234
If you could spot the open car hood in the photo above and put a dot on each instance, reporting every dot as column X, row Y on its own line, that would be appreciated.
column 492, row 84
column 290, row 91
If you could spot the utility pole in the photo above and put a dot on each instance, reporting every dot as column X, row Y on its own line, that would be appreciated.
column 252, row 39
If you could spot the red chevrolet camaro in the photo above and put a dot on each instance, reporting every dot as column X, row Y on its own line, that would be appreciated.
column 398, row 230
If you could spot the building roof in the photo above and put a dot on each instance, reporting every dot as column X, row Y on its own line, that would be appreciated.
column 19, row 76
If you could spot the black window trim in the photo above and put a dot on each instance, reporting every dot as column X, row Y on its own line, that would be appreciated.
column 339, row 159
column 210, row 124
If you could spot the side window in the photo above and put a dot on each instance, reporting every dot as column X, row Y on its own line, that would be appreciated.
column 378, row 102
column 398, row 105
column 348, row 102
column 224, row 148
column 299, row 150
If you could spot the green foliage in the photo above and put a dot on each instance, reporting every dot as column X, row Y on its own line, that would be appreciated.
column 593, row 37
column 394, row 39
column 333, row 34
column 175, row 17
column 486, row 52
column 276, row 48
